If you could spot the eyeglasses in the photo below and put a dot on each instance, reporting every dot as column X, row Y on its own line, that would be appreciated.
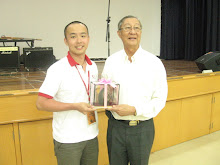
column 129, row 28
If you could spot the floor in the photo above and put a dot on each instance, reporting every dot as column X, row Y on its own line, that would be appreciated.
column 13, row 79
column 180, row 67
column 204, row 150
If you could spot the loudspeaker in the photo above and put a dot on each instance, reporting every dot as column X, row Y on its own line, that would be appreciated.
column 9, row 57
column 38, row 57
column 209, row 61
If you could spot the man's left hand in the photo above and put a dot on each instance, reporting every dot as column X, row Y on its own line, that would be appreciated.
column 123, row 109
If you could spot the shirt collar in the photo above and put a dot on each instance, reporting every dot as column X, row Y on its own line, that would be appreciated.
column 72, row 62
column 135, row 56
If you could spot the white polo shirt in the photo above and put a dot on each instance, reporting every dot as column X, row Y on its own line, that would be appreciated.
column 63, row 84
column 143, row 82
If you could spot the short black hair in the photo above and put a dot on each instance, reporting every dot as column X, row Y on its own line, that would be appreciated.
column 75, row 22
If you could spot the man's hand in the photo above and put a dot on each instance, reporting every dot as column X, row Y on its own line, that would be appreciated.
column 85, row 107
column 123, row 109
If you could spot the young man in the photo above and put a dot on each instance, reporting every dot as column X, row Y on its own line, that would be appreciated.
column 65, row 92
column 143, row 93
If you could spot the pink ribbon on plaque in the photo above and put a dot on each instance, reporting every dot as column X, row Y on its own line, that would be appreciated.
column 106, row 82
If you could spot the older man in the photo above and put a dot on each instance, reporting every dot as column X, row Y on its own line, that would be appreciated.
column 143, row 93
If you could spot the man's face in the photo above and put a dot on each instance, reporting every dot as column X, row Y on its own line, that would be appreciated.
column 130, row 33
column 77, row 39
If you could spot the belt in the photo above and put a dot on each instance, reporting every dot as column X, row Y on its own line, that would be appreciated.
column 131, row 122
column 127, row 122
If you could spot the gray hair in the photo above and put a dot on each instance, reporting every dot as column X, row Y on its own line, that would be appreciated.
column 128, row 16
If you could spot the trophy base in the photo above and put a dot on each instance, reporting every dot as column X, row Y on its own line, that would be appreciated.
column 102, row 107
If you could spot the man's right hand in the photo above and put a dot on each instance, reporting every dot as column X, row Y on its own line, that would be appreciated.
column 85, row 107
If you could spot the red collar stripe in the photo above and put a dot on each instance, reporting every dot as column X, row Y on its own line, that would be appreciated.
column 72, row 62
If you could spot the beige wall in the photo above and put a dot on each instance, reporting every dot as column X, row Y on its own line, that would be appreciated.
column 47, row 19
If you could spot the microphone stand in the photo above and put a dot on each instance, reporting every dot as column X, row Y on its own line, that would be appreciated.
column 108, row 29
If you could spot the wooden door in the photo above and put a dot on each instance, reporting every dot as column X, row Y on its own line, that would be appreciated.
column 36, row 140
column 167, row 126
column 7, row 145
column 215, row 120
column 195, row 116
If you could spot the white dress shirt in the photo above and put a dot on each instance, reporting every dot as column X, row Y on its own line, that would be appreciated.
column 143, row 82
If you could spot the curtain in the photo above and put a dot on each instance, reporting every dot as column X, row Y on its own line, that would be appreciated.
column 172, row 29
column 189, row 28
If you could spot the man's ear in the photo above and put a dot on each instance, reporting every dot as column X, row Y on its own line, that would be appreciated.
column 119, row 33
column 89, row 39
column 65, row 41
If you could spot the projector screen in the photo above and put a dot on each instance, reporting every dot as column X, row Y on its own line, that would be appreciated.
column 46, row 19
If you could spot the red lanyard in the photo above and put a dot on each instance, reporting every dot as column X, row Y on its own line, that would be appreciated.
column 87, row 90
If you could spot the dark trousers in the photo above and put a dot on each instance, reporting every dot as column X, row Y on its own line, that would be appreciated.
column 82, row 153
column 129, row 143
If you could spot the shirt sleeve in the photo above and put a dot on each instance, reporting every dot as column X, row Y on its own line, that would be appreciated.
column 158, row 99
column 51, row 83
